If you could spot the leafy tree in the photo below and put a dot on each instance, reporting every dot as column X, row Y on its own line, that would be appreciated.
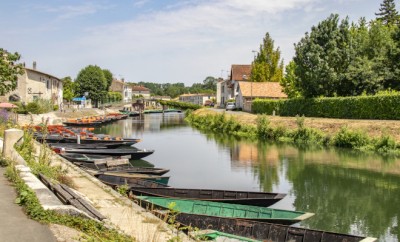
column 91, row 79
column 210, row 83
column 388, row 13
column 9, row 71
column 322, row 58
column 68, row 89
column 267, row 65
column 109, row 77
column 394, row 57
column 288, row 82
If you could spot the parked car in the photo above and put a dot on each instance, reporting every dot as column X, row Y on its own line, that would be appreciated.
column 230, row 106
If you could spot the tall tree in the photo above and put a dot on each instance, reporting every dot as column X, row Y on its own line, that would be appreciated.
column 267, row 65
column 322, row 58
column 9, row 71
column 388, row 13
column 91, row 79
column 288, row 82
column 109, row 77
column 68, row 89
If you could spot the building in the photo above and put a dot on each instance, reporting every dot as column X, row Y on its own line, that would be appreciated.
column 34, row 84
column 122, row 87
column 228, row 89
column 248, row 91
column 199, row 99
column 140, row 91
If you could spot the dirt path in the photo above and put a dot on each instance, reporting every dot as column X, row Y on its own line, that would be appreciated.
column 374, row 128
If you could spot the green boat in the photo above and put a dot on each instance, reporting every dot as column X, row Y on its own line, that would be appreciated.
column 170, row 110
column 227, row 210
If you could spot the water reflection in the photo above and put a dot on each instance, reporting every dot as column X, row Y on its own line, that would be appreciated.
column 349, row 192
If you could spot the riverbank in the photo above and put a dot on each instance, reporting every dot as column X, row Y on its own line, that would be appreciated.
column 373, row 128
column 121, row 212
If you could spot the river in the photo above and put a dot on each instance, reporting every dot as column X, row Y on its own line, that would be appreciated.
column 349, row 192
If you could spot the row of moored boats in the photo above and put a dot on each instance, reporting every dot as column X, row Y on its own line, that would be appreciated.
column 244, row 215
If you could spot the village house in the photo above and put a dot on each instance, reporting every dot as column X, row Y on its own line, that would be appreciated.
column 140, row 91
column 122, row 87
column 227, row 89
column 199, row 99
column 33, row 85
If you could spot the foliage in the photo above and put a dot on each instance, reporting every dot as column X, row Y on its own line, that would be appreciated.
column 91, row 79
column 9, row 71
column 388, row 13
column 114, row 96
column 39, row 106
column 267, row 65
column 346, row 138
column 68, row 89
column 265, row 132
column 382, row 106
column 174, row 90
column 109, row 77
column 180, row 105
column 288, row 82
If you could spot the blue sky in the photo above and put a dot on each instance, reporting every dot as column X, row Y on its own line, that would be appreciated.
column 160, row 41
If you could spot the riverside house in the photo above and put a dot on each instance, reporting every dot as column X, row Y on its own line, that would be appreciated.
column 199, row 99
column 34, row 84
column 228, row 89
column 122, row 87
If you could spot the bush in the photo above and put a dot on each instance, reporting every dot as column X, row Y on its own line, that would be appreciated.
column 350, row 139
column 40, row 106
column 383, row 106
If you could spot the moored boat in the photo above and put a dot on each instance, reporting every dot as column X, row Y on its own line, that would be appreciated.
column 120, row 178
column 235, row 197
column 217, row 209
column 102, row 166
column 262, row 231
column 133, row 152
column 90, row 158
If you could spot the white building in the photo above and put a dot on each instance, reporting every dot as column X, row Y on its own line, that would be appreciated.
column 199, row 99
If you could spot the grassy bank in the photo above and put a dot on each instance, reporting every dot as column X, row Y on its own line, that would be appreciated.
column 300, row 134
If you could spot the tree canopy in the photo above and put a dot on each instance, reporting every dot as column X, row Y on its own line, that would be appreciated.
column 388, row 13
column 267, row 65
column 91, row 79
column 109, row 77
column 9, row 71
column 68, row 88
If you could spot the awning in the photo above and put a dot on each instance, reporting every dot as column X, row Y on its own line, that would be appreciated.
column 79, row 99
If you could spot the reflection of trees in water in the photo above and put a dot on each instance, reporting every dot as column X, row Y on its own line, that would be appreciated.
column 346, row 200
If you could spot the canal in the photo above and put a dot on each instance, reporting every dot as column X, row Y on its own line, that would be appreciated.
column 349, row 192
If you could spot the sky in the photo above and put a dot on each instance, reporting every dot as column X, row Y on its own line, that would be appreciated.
column 162, row 41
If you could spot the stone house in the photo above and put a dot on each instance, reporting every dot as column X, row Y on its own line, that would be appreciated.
column 227, row 89
column 34, row 84
column 122, row 87
column 140, row 91
column 199, row 99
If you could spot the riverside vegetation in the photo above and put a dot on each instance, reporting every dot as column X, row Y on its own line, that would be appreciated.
column 302, row 135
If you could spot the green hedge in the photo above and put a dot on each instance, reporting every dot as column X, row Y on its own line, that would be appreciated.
column 181, row 105
column 361, row 107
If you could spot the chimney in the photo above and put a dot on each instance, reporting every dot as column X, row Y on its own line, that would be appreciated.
column 34, row 65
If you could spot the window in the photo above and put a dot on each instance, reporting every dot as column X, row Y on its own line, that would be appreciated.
column 48, row 84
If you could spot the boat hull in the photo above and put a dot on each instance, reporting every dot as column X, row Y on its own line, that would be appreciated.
column 134, row 153
column 235, row 197
column 119, row 179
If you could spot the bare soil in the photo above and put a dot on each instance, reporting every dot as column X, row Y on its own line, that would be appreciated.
column 374, row 128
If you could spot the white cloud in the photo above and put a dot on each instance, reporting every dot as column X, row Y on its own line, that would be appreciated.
column 72, row 11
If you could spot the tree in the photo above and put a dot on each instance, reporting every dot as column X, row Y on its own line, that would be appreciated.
column 109, row 77
column 68, row 89
column 388, row 13
column 9, row 71
column 288, row 82
column 210, row 83
column 322, row 58
column 267, row 65
column 91, row 79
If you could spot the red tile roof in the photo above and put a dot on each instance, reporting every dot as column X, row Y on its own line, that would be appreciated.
column 238, row 71
column 140, row 89
column 261, row 89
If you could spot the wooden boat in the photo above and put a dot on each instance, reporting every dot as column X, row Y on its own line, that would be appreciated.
column 103, row 145
column 171, row 110
column 102, row 166
column 101, row 139
column 261, row 231
column 83, row 124
column 88, row 158
column 228, row 210
column 115, row 178
column 235, row 197
column 133, row 152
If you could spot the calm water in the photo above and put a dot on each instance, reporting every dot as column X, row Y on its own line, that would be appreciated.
column 348, row 192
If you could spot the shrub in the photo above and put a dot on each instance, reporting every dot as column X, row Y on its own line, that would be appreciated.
column 350, row 139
